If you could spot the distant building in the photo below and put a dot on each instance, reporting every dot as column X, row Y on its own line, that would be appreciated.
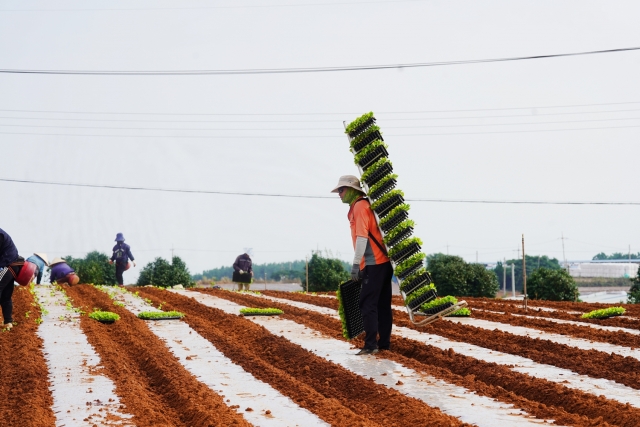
column 603, row 269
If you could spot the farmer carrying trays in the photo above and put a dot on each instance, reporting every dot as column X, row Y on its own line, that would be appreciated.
column 370, row 264
column 243, row 271
column 121, row 255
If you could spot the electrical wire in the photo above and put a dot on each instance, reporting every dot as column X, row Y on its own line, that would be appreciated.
column 302, row 196
column 251, row 71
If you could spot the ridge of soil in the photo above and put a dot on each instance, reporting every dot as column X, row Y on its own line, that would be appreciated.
column 24, row 377
column 156, row 389
column 552, row 399
column 337, row 390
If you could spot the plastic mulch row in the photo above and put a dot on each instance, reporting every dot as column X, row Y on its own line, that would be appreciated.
column 384, row 208
column 374, row 155
column 407, row 232
column 378, row 174
column 396, row 219
column 413, row 248
column 350, row 295
column 412, row 269
column 367, row 140
column 426, row 297
column 437, row 309
column 364, row 126
column 416, row 283
column 386, row 187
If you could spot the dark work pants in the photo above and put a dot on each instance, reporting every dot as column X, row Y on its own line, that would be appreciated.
column 6, row 292
column 375, row 305
column 119, row 270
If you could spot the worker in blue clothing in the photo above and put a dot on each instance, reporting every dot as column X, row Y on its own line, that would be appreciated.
column 121, row 255
column 40, row 260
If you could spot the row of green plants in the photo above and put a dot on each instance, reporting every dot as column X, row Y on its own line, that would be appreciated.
column 604, row 313
column 251, row 311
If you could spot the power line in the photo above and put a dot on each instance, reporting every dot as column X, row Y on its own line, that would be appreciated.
column 305, row 70
column 323, row 114
column 301, row 196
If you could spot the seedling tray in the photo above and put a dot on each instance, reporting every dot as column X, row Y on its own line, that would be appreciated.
column 426, row 297
column 378, row 174
column 392, row 202
column 375, row 135
column 162, row 318
column 107, row 322
column 437, row 309
column 413, row 248
column 350, row 299
column 388, row 186
column 404, row 234
column 416, row 283
column 374, row 155
column 241, row 278
column 364, row 126
column 396, row 219
column 260, row 314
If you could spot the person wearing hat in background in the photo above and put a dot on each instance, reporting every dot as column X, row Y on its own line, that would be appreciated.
column 243, row 271
column 8, row 255
column 121, row 255
column 40, row 260
column 370, row 264
column 62, row 273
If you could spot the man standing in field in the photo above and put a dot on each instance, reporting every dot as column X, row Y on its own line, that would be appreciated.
column 121, row 255
column 371, row 264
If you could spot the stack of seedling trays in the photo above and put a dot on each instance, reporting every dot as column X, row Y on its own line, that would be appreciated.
column 392, row 213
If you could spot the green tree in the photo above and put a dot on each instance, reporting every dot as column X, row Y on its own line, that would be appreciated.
column 161, row 273
column 453, row 276
column 325, row 274
column 552, row 285
column 633, row 296
column 616, row 255
column 93, row 268
column 533, row 263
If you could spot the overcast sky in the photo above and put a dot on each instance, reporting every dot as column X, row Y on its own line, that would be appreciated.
column 563, row 129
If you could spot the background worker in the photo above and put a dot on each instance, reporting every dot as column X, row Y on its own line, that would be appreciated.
column 243, row 271
column 370, row 264
column 62, row 273
column 121, row 255
column 40, row 260
column 8, row 255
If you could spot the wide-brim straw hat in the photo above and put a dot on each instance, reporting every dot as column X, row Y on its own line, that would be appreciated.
column 43, row 257
column 56, row 261
column 348, row 181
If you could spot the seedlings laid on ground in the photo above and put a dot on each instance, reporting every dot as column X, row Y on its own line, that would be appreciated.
column 104, row 316
column 463, row 312
column 160, row 315
column 249, row 311
column 604, row 313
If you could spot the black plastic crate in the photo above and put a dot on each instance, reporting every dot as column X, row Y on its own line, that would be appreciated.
column 416, row 283
column 412, row 269
column 386, row 187
column 404, row 234
column 413, row 248
column 367, row 140
column 350, row 297
column 364, row 126
column 377, row 153
column 384, row 208
column 393, row 221
column 426, row 297
column 437, row 309
column 378, row 174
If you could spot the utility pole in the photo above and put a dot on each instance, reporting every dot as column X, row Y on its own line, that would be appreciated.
column 265, row 280
column 504, row 277
column 563, row 256
column 447, row 249
column 306, row 263
column 513, row 280
column 476, row 257
column 524, row 274
column 171, row 252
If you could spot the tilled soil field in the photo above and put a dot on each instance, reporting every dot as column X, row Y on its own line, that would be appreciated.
column 504, row 366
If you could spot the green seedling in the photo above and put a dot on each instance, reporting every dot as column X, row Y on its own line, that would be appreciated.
column 150, row 315
column 357, row 122
column 438, row 302
column 343, row 318
column 378, row 185
column 366, row 134
column 263, row 311
column 399, row 229
column 118, row 303
column 404, row 265
column 419, row 293
column 368, row 149
column 386, row 197
column 404, row 244
column 463, row 312
column 374, row 167
column 604, row 313
column 103, row 316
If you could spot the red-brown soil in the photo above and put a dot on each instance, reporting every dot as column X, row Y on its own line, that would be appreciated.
column 152, row 384
column 333, row 393
column 25, row 399
column 537, row 396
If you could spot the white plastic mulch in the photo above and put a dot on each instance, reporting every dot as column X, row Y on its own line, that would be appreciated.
column 451, row 399
column 81, row 394
column 219, row 373
column 570, row 379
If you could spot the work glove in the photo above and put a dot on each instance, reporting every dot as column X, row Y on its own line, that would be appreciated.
column 241, row 271
column 134, row 263
column 110, row 262
column 355, row 272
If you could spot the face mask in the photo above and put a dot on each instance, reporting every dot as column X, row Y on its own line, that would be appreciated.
column 350, row 195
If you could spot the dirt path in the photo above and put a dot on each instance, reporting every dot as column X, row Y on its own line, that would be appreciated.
column 25, row 399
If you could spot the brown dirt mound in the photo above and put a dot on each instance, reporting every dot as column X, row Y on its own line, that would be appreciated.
column 338, row 391
column 155, row 388
column 24, row 385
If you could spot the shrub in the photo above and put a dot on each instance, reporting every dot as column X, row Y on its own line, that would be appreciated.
column 633, row 296
column 161, row 273
column 93, row 268
column 325, row 274
column 454, row 276
column 552, row 285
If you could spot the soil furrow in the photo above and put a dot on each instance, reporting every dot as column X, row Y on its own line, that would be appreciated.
column 150, row 381
column 537, row 391
column 254, row 348
column 24, row 385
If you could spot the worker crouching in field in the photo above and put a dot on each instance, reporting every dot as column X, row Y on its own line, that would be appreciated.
column 40, row 260
column 121, row 255
column 62, row 273
column 370, row 264
column 8, row 255
column 243, row 271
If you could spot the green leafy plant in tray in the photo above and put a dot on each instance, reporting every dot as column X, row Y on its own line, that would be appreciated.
column 104, row 316
column 160, row 315
column 248, row 311
column 604, row 313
